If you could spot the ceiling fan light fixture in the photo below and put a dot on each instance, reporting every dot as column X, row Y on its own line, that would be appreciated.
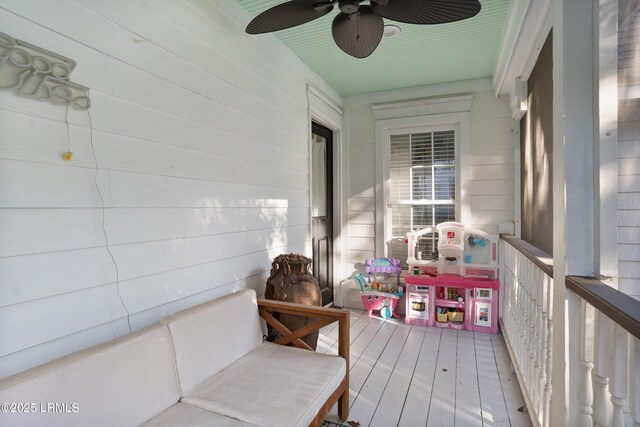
column 348, row 6
column 391, row 31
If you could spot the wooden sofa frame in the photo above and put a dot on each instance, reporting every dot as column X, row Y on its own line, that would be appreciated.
column 324, row 316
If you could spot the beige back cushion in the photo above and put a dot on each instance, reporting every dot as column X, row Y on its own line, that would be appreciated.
column 209, row 337
column 121, row 383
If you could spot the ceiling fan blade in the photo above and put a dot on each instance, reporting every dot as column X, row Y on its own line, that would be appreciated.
column 289, row 14
column 359, row 33
column 426, row 11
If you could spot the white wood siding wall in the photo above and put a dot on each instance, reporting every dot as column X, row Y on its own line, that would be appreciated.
column 201, row 144
column 490, row 194
column 629, row 153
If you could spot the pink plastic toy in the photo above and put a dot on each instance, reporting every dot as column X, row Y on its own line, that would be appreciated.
column 384, row 266
column 374, row 298
column 378, row 301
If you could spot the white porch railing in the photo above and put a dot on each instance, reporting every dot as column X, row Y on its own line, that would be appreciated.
column 609, row 353
column 603, row 372
column 527, row 326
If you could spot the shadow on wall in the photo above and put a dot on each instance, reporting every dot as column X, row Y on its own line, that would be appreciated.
column 216, row 250
column 536, row 134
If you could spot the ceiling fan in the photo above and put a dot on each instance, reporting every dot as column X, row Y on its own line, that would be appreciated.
column 357, row 29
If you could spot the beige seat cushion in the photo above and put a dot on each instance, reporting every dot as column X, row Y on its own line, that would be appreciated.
column 183, row 415
column 272, row 386
column 209, row 337
column 121, row 383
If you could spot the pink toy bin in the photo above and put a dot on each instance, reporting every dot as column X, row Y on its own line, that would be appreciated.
column 374, row 300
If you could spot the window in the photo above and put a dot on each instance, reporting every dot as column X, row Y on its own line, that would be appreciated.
column 422, row 186
column 431, row 174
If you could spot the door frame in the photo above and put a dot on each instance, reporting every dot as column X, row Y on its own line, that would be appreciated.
column 326, row 112
column 322, row 225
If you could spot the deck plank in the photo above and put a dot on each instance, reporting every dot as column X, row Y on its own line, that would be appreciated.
column 364, row 406
column 364, row 340
column 468, row 412
column 355, row 330
column 443, row 397
column 390, row 405
column 363, row 366
column 403, row 375
column 416, row 405
column 494, row 410
column 328, row 336
column 509, row 383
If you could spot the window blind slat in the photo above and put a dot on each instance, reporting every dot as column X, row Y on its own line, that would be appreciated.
column 421, row 184
column 422, row 169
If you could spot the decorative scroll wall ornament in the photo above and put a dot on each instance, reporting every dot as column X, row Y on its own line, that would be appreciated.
column 37, row 73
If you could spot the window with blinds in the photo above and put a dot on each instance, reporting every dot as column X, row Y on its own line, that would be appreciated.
column 422, row 186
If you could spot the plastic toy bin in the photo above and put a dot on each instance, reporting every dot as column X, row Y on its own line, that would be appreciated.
column 456, row 316
column 441, row 315
column 376, row 301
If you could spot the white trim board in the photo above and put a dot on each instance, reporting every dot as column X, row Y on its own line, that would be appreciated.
column 522, row 43
column 427, row 91
column 422, row 107
column 324, row 111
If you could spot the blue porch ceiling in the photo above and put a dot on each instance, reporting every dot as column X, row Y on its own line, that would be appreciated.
column 419, row 55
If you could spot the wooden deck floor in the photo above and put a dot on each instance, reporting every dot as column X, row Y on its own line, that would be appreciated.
column 403, row 375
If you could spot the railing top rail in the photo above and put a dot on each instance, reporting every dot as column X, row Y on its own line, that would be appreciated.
column 618, row 306
column 541, row 259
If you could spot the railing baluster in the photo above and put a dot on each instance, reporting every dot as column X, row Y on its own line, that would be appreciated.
column 538, row 342
column 548, row 388
column 586, row 409
column 525, row 325
column 529, row 330
column 543, row 353
column 619, row 383
column 537, row 337
column 634, row 383
column 522, row 277
column 531, row 348
column 604, row 343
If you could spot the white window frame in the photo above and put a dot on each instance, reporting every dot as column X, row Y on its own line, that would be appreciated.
column 385, row 127
column 388, row 217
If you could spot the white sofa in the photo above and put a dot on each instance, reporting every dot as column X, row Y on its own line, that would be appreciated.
column 205, row 366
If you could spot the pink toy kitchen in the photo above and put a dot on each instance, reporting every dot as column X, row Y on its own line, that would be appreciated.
column 456, row 286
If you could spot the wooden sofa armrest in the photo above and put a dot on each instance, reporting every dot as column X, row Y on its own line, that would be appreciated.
column 324, row 316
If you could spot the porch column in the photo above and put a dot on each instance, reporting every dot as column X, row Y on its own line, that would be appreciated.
column 574, row 193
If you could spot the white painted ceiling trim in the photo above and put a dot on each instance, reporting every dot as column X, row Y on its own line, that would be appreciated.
column 422, row 107
column 529, row 24
column 324, row 98
column 419, row 92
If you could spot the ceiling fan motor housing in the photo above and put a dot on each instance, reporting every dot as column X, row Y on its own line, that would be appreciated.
column 349, row 6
